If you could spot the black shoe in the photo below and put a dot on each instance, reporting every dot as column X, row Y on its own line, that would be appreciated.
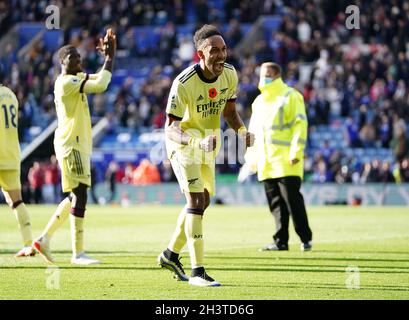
column 306, row 246
column 201, row 279
column 274, row 247
column 173, row 265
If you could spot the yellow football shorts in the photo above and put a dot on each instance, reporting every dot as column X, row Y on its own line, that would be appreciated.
column 75, row 169
column 193, row 177
column 10, row 180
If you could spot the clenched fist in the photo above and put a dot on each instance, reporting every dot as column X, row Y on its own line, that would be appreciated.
column 248, row 137
column 208, row 144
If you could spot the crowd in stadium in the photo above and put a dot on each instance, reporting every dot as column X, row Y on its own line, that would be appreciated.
column 358, row 79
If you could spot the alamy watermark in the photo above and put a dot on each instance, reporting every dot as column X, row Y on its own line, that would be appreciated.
column 353, row 278
column 53, row 20
column 352, row 21
column 52, row 279
column 232, row 149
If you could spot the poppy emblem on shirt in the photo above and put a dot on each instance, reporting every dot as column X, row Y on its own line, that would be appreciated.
column 212, row 93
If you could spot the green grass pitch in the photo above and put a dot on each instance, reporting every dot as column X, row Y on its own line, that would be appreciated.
column 374, row 241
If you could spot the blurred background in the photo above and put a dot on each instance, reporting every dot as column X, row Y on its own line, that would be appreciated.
column 354, row 82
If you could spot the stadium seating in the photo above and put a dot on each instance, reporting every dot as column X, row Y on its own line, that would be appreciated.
column 139, row 71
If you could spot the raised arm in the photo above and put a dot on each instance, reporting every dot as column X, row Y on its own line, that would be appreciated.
column 98, row 82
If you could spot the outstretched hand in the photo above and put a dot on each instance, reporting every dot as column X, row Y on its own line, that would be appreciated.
column 107, row 45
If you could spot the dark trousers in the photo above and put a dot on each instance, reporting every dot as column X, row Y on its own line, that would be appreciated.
column 285, row 199
column 38, row 195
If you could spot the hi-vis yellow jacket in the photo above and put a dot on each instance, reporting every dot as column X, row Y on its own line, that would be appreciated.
column 279, row 123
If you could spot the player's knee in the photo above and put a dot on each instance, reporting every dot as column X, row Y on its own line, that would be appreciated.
column 79, row 196
column 13, row 198
column 196, row 201
column 15, row 204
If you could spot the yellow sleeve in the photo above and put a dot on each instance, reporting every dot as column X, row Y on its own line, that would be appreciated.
column 71, row 84
column 300, row 127
column 83, row 83
column 98, row 83
column 233, row 85
column 177, row 100
column 93, row 76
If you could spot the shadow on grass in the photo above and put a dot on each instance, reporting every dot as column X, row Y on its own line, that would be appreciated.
column 364, row 252
column 329, row 286
column 70, row 252
column 318, row 270
column 227, row 269
column 321, row 266
column 62, row 267
column 285, row 256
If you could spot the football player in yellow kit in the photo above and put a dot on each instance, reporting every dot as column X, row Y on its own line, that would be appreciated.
column 10, row 166
column 73, row 143
column 197, row 99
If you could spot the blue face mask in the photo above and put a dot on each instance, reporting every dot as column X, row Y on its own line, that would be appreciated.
column 264, row 81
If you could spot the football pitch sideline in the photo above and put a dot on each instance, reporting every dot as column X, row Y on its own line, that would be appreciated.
column 358, row 253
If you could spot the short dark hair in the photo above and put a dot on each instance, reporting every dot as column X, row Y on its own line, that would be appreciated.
column 63, row 51
column 203, row 33
column 274, row 66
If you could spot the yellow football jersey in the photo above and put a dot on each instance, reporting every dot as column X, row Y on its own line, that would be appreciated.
column 74, row 129
column 9, row 143
column 199, row 102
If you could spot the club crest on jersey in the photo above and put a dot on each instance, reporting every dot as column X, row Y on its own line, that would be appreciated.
column 212, row 93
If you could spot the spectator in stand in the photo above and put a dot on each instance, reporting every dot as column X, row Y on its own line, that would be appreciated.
column 321, row 174
column 319, row 110
column 352, row 133
column 326, row 151
column 128, row 174
column 159, row 118
column 344, row 175
column 404, row 170
column 400, row 143
column 385, row 131
column 146, row 173
column 367, row 135
column 36, row 179
column 365, row 175
column 52, row 178
column 110, row 177
column 385, row 174
column 375, row 173
column 344, row 75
